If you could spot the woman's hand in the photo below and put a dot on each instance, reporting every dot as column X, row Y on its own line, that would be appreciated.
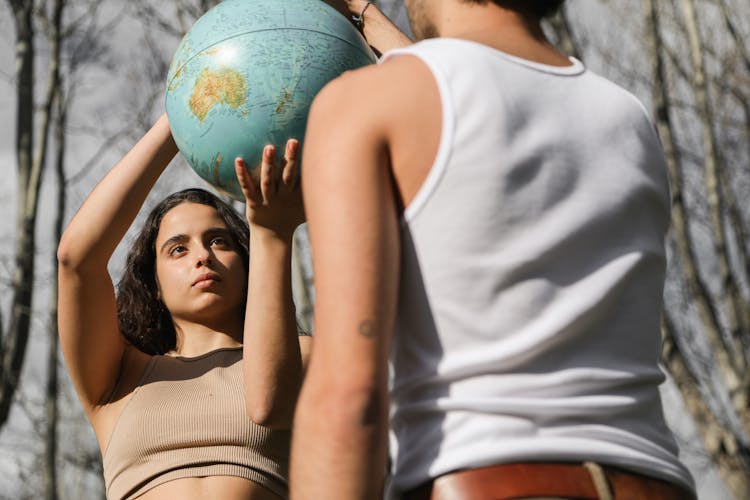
column 343, row 6
column 274, row 201
column 347, row 7
column 379, row 31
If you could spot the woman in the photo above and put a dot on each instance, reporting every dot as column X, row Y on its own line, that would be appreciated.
column 190, row 376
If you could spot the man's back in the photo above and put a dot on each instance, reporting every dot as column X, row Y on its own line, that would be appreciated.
column 532, row 269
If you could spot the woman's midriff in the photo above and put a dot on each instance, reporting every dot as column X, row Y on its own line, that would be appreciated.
column 203, row 488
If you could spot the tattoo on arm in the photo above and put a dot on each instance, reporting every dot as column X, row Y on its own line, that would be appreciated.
column 371, row 414
column 367, row 329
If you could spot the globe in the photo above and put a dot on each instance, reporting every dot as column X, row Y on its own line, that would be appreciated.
column 244, row 76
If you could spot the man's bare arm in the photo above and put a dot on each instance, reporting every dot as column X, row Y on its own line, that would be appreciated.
column 340, row 429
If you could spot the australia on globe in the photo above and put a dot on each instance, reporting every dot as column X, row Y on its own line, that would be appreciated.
column 224, row 86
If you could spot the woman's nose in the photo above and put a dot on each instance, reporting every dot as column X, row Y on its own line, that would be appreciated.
column 203, row 257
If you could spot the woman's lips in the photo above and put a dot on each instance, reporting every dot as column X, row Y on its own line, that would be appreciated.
column 206, row 280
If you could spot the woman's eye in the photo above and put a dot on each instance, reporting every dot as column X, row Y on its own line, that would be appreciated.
column 179, row 249
column 219, row 240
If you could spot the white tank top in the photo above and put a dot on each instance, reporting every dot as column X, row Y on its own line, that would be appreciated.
column 532, row 275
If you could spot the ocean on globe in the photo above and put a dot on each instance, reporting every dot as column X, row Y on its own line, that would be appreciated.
column 245, row 75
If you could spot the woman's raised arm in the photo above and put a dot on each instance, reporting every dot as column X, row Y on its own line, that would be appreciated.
column 87, row 317
column 272, row 359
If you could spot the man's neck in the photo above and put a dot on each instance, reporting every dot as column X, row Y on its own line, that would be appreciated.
column 508, row 30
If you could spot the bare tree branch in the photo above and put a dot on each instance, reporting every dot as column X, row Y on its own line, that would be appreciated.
column 729, row 293
column 735, row 33
column 51, row 393
column 731, row 457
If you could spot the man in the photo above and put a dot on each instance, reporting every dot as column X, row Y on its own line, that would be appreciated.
column 491, row 215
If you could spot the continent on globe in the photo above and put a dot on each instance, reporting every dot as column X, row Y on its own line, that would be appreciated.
column 222, row 86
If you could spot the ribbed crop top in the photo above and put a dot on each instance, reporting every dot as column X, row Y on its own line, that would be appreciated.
column 187, row 418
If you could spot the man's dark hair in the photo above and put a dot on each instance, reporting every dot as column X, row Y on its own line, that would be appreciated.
column 537, row 8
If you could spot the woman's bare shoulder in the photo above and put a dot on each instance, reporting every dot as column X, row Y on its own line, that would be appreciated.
column 132, row 370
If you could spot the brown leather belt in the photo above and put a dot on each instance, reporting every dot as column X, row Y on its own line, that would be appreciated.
column 564, row 480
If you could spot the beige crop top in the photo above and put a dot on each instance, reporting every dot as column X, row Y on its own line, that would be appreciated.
column 187, row 418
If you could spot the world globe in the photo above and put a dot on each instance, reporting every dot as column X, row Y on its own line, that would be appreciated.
column 244, row 76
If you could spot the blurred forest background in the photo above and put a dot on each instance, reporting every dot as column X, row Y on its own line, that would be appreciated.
column 82, row 80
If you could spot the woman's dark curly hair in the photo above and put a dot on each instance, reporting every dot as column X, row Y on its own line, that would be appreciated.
column 538, row 8
column 143, row 318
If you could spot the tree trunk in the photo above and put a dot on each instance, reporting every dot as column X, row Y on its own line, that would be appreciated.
column 735, row 33
column 13, row 347
column 729, row 293
column 29, row 177
column 730, row 457
column 735, row 213
column 50, row 472
column 697, row 289
column 736, row 222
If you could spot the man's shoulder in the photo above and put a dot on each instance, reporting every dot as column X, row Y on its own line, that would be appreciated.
column 385, row 87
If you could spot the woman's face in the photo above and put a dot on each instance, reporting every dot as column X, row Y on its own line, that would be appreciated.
column 199, row 270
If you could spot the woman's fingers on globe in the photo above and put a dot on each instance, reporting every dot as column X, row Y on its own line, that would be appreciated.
column 246, row 182
column 268, row 174
column 291, row 157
